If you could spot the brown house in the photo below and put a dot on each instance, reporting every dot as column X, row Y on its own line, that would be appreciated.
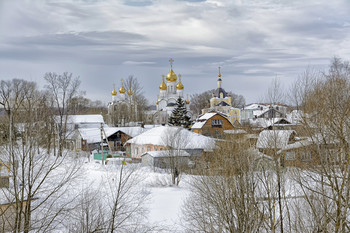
column 88, row 139
column 212, row 124
column 312, row 152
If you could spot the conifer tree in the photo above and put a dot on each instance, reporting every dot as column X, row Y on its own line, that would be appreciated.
column 179, row 115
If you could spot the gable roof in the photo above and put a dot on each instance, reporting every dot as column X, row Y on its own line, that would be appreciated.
column 130, row 131
column 266, row 122
column 255, row 107
column 259, row 113
column 200, row 122
column 274, row 139
column 93, row 135
column 175, row 137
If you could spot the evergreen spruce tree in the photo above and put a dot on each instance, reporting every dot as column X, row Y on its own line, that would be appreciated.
column 179, row 115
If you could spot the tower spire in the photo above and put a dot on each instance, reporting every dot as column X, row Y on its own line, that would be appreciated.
column 219, row 72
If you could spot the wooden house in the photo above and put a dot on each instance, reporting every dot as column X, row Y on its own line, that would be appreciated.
column 212, row 124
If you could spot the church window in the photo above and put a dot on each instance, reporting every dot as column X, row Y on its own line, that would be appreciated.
column 221, row 95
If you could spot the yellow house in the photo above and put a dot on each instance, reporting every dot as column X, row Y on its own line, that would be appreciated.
column 221, row 102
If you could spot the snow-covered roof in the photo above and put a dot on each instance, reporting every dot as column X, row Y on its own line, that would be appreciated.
column 274, row 139
column 298, row 144
column 85, row 119
column 259, row 112
column 82, row 121
column 200, row 122
column 255, row 106
column 167, row 153
column 130, row 131
column 175, row 137
column 296, row 116
column 264, row 122
column 91, row 135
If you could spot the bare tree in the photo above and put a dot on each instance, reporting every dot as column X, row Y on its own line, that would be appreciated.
column 326, row 124
column 275, row 93
column 137, row 99
column 176, row 158
column 63, row 88
column 223, row 195
column 37, row 179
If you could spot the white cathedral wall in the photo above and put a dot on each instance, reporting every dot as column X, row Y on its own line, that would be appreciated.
column 171, row 88
column 180, row 93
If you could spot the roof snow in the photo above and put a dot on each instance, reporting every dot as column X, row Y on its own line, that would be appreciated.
column 167, row 153
column 255, row 106
column 274, row 139
column 85, row 119
column 200, row 122
column 93, row 135
column 130, row 131
column 264, row 122
column 174, row 137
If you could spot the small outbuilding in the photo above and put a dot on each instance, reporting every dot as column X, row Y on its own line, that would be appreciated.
column 167, row 158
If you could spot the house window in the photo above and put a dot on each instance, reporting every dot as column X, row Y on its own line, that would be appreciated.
column 148, row 148
column 290, row 155
column 216, row 123
column 305, row 156
column 136, row 151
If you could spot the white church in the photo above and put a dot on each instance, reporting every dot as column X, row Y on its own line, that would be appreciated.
column 169, row 92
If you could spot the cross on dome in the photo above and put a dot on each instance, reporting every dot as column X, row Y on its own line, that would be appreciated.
column 171, row 62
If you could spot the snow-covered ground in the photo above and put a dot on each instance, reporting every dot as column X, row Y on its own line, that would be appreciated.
column 164, row 201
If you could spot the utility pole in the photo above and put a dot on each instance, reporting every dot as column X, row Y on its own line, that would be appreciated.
column 102, row 144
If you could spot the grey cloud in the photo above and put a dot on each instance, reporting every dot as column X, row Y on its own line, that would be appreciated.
column 81, row 39
column 137, row 3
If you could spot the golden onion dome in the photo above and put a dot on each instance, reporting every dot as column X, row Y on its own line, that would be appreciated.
column 187, row 101
column 114, row 92
column 179, row 86
column 122, row 89
column 157, row 102
column 219, row 75
column 130, row 92
column 163, row 86
column 171, row 76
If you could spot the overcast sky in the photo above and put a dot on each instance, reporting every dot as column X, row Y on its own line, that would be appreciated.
column 103, row 41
